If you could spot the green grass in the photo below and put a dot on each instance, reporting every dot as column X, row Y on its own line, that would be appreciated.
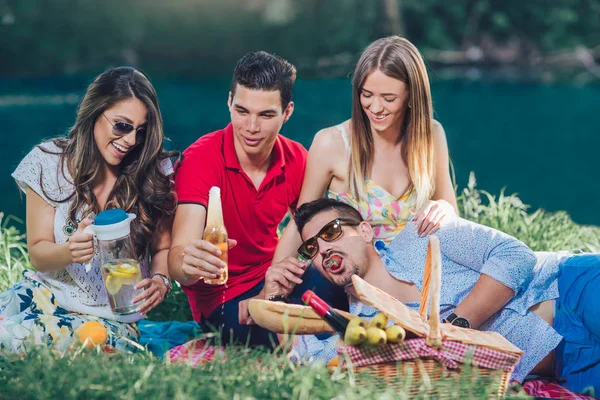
column 239, row 374
column 540, row 230
column 244, row 373
column 13, row 252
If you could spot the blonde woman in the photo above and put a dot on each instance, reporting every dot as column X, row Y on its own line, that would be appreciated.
column 389, row 161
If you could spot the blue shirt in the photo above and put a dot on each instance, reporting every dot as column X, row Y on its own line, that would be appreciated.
column 469, row 250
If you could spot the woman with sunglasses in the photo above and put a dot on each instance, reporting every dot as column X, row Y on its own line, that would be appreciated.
column 389, row 161
column 112, row 157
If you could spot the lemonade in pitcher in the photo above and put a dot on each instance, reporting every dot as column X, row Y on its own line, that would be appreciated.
column 120, row 278
column 119, row 266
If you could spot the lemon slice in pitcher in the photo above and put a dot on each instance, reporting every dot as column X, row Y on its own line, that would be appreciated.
column 126, row 268
column 113, row 284
column 123, row 275
column 125, row 271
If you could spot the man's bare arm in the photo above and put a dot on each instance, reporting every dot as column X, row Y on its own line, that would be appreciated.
column 487, row 297
column 190, row 257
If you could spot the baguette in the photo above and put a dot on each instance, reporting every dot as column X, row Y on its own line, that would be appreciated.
column 280, row 317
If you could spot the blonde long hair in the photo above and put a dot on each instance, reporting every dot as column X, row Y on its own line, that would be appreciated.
column 397, row 58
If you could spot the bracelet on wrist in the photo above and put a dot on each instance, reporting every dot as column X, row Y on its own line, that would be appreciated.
column 165, row 280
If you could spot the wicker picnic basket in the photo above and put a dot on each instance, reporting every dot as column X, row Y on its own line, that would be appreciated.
column 439, row 350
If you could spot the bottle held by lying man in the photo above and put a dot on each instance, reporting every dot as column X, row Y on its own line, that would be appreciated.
column 215, row 232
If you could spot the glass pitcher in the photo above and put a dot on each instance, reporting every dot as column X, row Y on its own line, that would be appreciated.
column 118, row 263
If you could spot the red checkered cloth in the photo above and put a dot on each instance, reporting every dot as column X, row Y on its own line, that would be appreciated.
column 451, row 355
column 193, row 353
column 547, row 389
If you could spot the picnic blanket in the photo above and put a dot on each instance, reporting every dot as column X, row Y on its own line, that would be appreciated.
column 194, row 352
column 162, row 336
column 545, row 388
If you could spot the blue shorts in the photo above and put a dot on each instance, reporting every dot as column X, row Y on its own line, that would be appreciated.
column 577, row 319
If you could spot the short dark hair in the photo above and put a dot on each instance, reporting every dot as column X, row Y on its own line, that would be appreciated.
column 264, row 71
column 307, row 211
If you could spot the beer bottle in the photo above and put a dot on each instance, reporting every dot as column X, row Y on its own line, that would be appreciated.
column 215, row 232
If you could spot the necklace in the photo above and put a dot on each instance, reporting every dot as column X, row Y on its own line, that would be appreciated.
column 70, row 226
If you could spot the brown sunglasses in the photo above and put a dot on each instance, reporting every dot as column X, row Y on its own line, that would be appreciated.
column 330, row 232
column 124, row 128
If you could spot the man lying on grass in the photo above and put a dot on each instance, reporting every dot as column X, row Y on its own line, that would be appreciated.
column 544, row 303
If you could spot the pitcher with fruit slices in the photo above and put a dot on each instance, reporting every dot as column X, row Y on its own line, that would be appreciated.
column 119, row 265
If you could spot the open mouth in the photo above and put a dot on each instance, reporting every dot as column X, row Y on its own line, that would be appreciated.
column 333, row 263
column 379, row 118
column 119, row 149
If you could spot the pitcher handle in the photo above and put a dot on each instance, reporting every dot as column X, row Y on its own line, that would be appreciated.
column 88, row 264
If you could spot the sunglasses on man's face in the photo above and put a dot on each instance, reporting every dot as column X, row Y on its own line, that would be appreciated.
column 124, row 128
column 330, row 232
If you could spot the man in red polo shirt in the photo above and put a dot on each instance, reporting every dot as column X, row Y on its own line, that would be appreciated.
column 260, row 174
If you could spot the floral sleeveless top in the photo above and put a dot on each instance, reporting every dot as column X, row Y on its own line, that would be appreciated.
column 386, row 214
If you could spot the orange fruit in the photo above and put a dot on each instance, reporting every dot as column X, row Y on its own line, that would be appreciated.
column 334, row 362
column 91, row 334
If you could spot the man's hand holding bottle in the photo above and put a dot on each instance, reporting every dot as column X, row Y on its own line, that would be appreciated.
column 283, row 276
column 201, row 259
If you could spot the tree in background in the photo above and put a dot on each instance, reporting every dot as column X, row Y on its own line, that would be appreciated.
column 195, row 37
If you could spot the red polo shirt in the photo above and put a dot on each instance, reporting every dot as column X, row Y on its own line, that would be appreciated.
column 251, row 216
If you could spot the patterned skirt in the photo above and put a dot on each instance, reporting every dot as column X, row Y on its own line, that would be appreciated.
column 30, row 315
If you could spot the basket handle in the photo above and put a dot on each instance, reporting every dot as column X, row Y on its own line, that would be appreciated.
column 423, row 308
column 432, row 282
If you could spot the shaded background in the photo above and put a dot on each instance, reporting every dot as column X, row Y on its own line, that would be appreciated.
column 515, row 84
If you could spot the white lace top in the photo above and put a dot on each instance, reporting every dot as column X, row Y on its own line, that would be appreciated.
column 75, row 289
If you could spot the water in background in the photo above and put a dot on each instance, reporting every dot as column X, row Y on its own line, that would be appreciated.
column 539, row 141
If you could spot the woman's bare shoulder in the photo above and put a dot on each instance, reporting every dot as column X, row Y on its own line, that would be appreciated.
column 439, row 142
column 438, row 130
column 328, row 139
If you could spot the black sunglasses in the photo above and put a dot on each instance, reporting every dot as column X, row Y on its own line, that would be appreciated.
column 330, row 232
column 124, row 128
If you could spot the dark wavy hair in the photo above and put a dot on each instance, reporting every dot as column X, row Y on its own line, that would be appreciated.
column 141, row 187
column 307, row 211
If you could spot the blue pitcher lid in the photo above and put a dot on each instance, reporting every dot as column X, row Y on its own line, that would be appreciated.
column 109, row 217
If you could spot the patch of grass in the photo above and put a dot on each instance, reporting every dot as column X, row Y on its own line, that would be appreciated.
column 13, row 252
column 240, row 374
column 174, row 308
column 540, row 230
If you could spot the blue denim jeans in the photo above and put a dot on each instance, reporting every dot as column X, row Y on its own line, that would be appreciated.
column 226, row 317
column 577, row 319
